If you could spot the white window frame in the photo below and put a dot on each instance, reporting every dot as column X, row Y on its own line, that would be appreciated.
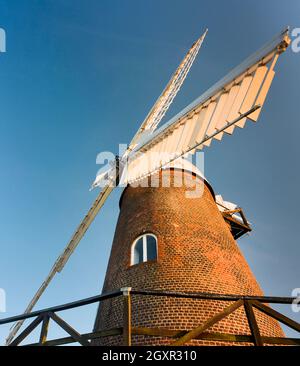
column 144, row 236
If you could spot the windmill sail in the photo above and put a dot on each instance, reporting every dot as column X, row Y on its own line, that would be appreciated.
column 225, row 106
column 164, row 101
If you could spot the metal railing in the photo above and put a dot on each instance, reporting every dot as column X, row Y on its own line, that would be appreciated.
column 177, row 337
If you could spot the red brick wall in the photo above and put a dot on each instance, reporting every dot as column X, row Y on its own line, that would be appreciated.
column 196, row 253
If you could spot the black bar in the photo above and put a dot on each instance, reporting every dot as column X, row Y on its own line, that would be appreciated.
column 212, row 296
column 117, row 170
column 70, row 305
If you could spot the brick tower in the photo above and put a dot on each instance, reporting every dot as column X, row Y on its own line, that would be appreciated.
column 196, row 252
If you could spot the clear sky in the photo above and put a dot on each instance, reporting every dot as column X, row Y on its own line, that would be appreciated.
column 78, row 78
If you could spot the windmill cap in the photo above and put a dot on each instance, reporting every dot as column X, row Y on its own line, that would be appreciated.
column 185, row 165
column 182, row 165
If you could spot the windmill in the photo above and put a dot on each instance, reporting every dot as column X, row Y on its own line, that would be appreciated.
column 237, row 97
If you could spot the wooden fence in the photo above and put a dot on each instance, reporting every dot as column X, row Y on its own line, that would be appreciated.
column 177, row 337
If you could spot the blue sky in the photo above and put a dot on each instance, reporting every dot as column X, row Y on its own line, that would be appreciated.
column 78, row 78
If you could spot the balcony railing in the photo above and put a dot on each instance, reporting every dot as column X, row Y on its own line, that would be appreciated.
column 177, row 337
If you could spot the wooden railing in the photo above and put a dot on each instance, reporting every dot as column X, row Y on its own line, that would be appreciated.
column 177, row 337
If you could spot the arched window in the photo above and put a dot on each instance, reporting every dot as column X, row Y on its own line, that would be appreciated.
column 144, row 249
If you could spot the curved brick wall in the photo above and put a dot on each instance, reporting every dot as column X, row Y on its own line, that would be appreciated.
column 196, row 253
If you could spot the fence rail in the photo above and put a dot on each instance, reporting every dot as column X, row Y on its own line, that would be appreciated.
column 177, row 337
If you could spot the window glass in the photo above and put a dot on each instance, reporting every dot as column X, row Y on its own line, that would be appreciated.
column 151, row 248
column 138, row 251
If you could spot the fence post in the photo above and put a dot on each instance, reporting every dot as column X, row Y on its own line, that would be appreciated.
column 253, row 323
column 126, row 316
column 44, row 330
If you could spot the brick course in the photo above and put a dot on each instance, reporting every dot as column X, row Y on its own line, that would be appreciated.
column 196, row 253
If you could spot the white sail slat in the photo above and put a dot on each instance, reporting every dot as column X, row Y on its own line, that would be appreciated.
column 234, row 112
column 226, row 110
column 217, row 114
column 178, row 137
column 185, row 132
column 262, row 95
column 131, row 169
column 198, row 127
column 163, row 157
column 142, row 167
column 210, row 110
column 176, row 134
column 254, row 88
column 154, row 155
column 192, row 124
column 171, row 140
